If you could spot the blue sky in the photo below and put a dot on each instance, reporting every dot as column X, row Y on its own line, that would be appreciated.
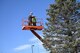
column 12, row 38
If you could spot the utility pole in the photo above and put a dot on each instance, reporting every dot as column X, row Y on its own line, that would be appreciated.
column 32, row 48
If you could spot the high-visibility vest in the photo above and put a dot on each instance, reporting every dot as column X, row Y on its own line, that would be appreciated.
column 33, row 19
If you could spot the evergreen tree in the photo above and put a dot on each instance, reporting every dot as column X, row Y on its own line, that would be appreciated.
column 62, row 31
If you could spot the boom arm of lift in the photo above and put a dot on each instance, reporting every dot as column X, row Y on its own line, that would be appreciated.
column 38, row 36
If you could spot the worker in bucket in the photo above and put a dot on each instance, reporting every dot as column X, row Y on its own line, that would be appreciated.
column 30, row 19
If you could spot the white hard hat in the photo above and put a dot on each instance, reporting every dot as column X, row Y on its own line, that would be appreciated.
column 31, row 13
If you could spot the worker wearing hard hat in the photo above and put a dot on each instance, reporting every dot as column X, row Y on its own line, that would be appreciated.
column 30, row 19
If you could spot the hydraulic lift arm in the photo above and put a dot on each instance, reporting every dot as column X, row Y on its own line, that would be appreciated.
column 38, row 36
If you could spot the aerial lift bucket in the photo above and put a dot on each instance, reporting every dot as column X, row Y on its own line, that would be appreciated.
column 25, row 26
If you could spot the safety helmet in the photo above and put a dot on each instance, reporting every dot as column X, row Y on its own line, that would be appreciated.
column 31, row 13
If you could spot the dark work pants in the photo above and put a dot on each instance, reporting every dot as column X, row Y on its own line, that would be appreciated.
column 34, row 23
column 30, row 23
